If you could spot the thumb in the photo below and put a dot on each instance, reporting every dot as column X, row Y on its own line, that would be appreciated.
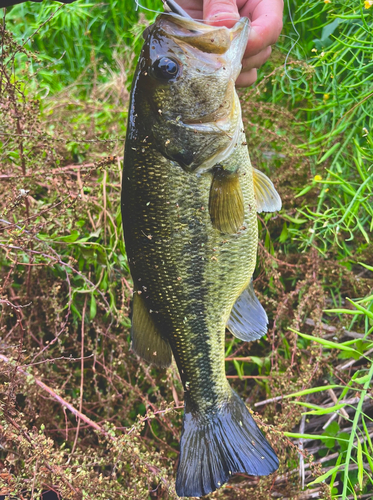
column 220, row 12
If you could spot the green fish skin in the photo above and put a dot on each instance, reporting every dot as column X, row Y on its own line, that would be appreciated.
column 189, row 209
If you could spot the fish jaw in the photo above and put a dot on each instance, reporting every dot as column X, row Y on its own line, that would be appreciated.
column 230, row 125
column 239, row 36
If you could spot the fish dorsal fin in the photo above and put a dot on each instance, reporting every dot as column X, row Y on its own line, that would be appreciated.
column 267, row 198
column 248, row 320
column 147, row 341
column 226, row 205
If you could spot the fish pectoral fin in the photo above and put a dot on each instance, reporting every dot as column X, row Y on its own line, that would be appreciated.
column 267, row 198
column 248, row 320
column 147, row 342
column 226, row 206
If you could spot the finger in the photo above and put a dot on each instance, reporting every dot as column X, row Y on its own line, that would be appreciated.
column 266, row 25
column 248, row 78
column 193, row 7
column 221, row 12
column 256, row 61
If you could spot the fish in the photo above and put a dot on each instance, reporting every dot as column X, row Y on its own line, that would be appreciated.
column 190, row 198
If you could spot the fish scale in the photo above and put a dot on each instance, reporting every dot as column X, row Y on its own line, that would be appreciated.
column 195, row 265
column 189, row 207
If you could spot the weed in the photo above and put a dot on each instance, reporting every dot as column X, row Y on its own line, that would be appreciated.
column 80, row 414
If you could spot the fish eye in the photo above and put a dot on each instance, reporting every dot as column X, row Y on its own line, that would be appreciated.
column 166, row 68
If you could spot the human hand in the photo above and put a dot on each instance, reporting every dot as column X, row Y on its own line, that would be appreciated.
column 266, row 25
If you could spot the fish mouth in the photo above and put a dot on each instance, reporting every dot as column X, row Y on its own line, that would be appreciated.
column 229, row 42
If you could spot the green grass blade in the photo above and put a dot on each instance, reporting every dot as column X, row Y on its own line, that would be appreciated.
column 324, row 342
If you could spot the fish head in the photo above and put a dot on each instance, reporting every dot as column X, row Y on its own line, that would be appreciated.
column 184, row 89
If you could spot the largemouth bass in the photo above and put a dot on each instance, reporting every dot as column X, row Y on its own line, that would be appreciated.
column 189, row 203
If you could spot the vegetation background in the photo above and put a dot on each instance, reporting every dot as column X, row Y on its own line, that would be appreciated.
column 80, row 414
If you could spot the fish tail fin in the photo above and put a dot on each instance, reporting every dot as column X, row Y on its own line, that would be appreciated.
column 213, row 448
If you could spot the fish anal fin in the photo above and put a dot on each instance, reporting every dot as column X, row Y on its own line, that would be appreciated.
column 248, row 320
column 147, row 341
column 226, row 205
column 212, row 449
column 267, row 198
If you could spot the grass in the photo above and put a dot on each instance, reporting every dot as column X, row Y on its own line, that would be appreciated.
column 338, row 111
column 83, row 35
column 80, row 414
